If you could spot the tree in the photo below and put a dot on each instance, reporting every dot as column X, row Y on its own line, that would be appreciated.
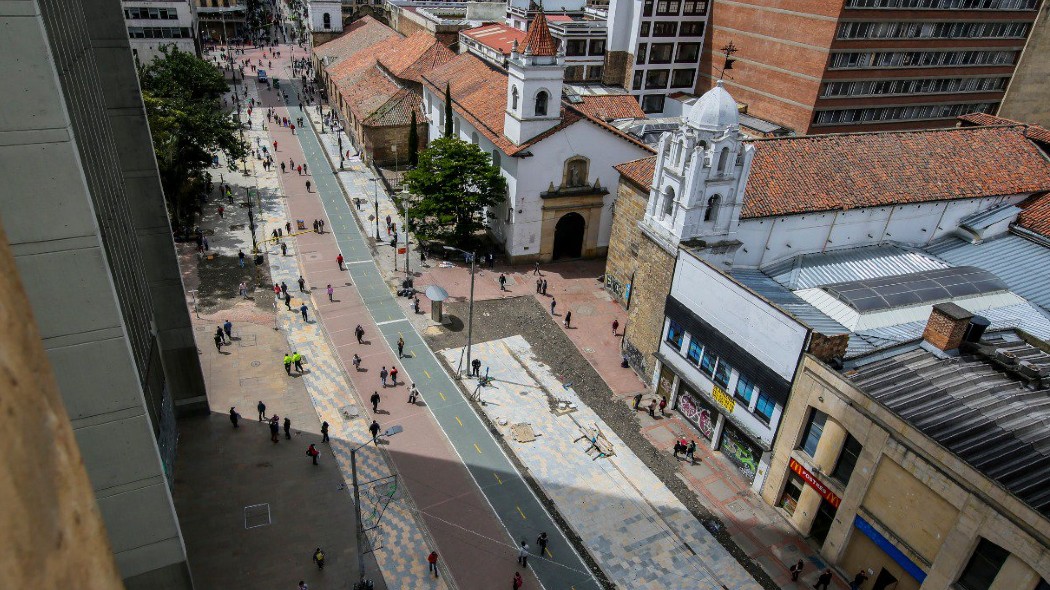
column 457, row 183
column 448, row 111
column 182, row 95
column 413, row 142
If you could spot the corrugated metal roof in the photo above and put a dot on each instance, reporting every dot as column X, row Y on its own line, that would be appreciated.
column 783, row 298
column 1022, row 264
column 986, row 417
column 852, row 264
column 986, row 219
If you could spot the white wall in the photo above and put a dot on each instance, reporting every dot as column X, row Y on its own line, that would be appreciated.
column 768, row 240
column 316, row 9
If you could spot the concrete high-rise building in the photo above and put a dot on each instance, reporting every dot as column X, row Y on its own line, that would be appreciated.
column 154, row 24
column 828, row 66
column 1025, row 98
column 84, row 212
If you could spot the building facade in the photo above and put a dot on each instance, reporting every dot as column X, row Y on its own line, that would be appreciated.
column 582, row 41
column 866, row 65
column 889, row 484
column 221, row 21
column 1024, row 99
column 94, row 250
column 154, row 24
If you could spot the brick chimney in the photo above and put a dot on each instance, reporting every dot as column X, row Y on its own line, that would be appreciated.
column 826, row 348
column 946, row 326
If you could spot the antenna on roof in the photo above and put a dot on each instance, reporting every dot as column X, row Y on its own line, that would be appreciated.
column 728, row 50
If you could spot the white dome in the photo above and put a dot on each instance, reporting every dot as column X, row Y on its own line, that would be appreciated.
column 716, row 109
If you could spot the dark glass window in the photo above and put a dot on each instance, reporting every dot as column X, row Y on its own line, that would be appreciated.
column 674, row 335
column 811, row 434
column 643, row 31
column 653, row 103
column 985, row 563
column 695, row 348
column 637, row 84
column 660, row 53
column 647, row 8
column 683, row 78
column 692, row 29
column 764, row 407
column 744, row 389
column 668, row 7
column 656, row 79
column 640, row 58
column 722, row 373
column 847, row 459
column 665, row 29
column 688, row 53
column 597, row 47
column 695, row 7
column 708, row 362
column 576, row 47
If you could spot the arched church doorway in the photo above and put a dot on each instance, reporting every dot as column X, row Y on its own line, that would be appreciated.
column 568, row 236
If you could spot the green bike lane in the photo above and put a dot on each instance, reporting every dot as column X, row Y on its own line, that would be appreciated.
column 513, row 501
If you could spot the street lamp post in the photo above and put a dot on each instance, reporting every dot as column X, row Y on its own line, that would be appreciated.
column 404, row 207
column 360, row 532
column 470, row 309
column 375, row 194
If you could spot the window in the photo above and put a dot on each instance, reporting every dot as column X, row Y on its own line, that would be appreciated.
column 695, row 7
column 665, row 29
column 985, row 563
column 640, row 58
column 595, row 72
column 847, row 459
column 902, row 113
column 495, row 158
column 920, row 86
column 811, row 434
column 474, row 139
column 597, row 47
column 668, row 202
column 921, row 59
column 687, row 53
column 764, row 407
column 668, row 7
column 514, row 99
column 682, row 78
column 656, row 79
column 660, row 53
column 643, row 31
column 327, row 18
column 933, row 30
column 711, row 212
column 695, row 348
column 708, row 362
column 722, row 373
column 576, row 47
column 947, row 4
column 692, row 30
column 674, row 335
column 723, row 159
column 541, row 103
column 744, row 389
column 574, row 73
column 792, row 492
column 653, row 103
column 637, row 83
column 647, row 8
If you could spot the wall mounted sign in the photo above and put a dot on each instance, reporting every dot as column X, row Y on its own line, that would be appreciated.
column 814, row 483
column 725, row 400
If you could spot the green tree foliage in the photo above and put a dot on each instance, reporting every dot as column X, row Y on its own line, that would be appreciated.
column 413, row 142
column 456, row 182
column 183, row 98
column 448, row 112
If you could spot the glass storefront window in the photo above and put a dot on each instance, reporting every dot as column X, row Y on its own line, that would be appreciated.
column 792, row 492
column 740, row 451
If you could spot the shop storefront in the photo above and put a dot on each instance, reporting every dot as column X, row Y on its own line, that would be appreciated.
column 698, row 412
column 741, row 451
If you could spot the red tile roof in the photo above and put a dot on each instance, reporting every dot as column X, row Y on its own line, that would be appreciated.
column 539, row 41
column 359, row 35
column 1033, row 132
column 414, row 55
column 639, row 171
column 558, row 18
column 497, row 36
column 611, row 106
column 1035, row 214
column 849, row 171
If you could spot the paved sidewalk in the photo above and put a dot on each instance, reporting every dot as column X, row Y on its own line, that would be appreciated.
column 633, row 526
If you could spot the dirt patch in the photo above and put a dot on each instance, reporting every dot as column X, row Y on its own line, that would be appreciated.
column 218, row 278
column 501, row 318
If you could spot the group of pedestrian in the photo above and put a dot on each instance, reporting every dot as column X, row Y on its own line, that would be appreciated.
column 683, row 446
column 318, row 226
column 384, row 374
column 293, row 359
column 224, row 333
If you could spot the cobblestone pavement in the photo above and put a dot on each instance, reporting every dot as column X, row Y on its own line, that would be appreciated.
column 633, row 526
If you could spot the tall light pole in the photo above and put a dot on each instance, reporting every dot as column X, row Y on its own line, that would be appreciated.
column 470, row 311
column 404, row 206
column 375, row 194
column 360, row 532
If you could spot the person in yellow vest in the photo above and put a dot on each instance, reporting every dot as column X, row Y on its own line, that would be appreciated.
column 297, row 359
column 288, row 364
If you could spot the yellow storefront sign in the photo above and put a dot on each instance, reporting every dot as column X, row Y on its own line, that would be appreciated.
column 723, row 399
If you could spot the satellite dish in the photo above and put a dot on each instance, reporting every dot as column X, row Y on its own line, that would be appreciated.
column 435, row 293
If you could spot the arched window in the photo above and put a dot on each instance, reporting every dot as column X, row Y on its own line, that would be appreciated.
column 723, row 159
column 327, row 18
column 514, row 99
column 541, row 103
column 668, row 202
column 474, row 138
column 455, row 126
column 711, row 213
column 495, row 158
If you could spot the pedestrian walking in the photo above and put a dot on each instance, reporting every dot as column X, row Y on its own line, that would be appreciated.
column 375, row 402
column 319, row 558
column 288, row 301
column 858, row 580
column 240, row 257
column 475, row 367
column 637, row 400
column 227, row 328
column 678, row 448
column 568, row 319
column 374, row 429
column 796, row 570
column 284, row 249
column 543, row 289
column 554, row 303
column 357, row 362
column 302, row 310
column 331, row 292
column 305, row 169
column 288, row 363
column 432, row 561
column 615, row 326
column 243, row 289
column 282, row 167
column 393, row 376
column 222, row 210
column 541, row 542
column 383, row 374
column 277, row 290
column 299, row 169
column 413, row 394
column 536, row 269
column 297, row 360
column 823, row 580
column 287, row 428
column 324, row 431
column 523, row 554
column 302, row 284
column 652, row 409
column 320, row 222
column 663, row 406
column 539, row 285
column 262, row 410
column 315, row 226
column 360, row 333
column 218, row 340
column 234, row 417
column 690, row 450
column 502, row 282
column 313, row 453
column 400, row 347
column 303, row 586
column 275, row 428
column 518, row 582
column 307, row 186
column 339, row 259
column 284, row 289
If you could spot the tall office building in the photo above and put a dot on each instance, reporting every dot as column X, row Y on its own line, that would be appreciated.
column 828, row 66
column 154, row 24
column 84, row 212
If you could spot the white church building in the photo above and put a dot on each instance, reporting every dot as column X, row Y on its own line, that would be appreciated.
column 555, row 147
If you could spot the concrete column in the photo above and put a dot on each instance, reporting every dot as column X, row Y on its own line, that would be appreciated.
column 830, row 445
column 806, row 509
column 716, row 436
column 1015, row 575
